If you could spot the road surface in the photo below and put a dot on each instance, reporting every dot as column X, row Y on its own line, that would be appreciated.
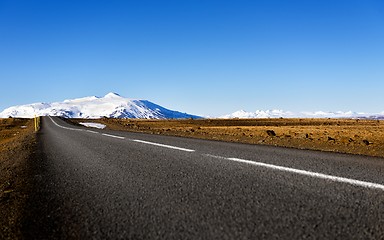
column 100, row 184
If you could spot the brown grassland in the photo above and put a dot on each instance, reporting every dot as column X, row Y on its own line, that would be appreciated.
column 355, row 136
column 17, row 142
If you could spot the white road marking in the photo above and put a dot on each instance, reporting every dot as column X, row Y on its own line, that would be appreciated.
column 68, row 128
column 312, row 174
column 91, row 131
column 215, row 156
column 119, row 137
column 108, row 135
column 163, row 145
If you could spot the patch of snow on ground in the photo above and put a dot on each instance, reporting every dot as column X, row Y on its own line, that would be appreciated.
column 93, row 125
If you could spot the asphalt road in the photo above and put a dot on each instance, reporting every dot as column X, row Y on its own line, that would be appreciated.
column 99, row 184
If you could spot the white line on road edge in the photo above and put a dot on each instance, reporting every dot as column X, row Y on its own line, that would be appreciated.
column 312, row 174
column 73, row 129
column 163, row 145
column 108, row 135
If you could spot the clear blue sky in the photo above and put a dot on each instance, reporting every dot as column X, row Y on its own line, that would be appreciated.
column 197, row 56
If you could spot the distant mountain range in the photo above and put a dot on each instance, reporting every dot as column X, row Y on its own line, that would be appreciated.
column 111, row 105
column 318, row 114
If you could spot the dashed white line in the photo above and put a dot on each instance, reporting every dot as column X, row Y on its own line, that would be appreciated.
column 91, row 131
column 164, row 145
column 215, row 156
column 113, row 136
column 312, row 174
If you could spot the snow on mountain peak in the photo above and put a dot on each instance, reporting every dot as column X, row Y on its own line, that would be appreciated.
column 79, row 100
column 111, row 105
column 287, row 114
column 112, row 95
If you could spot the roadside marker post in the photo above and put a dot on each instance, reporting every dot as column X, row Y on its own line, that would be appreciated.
column 37, row 123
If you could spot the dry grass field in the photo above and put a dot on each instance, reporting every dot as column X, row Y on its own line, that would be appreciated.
column 17, row 141
column 365, row 137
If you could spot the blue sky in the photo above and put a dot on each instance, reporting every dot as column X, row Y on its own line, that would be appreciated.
column 198, row 56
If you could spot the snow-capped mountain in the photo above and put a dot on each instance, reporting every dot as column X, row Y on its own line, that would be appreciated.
column 259, row 114
column 111, row 105
column 287, row 114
